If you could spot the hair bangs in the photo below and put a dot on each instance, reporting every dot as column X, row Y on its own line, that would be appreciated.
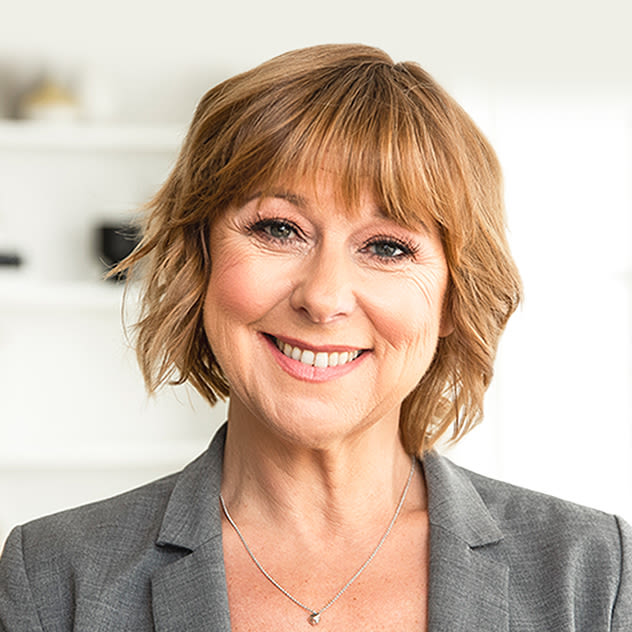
column 363, row 132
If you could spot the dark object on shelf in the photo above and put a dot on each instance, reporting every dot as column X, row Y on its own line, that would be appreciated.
column 10, row 259
column 115, row 242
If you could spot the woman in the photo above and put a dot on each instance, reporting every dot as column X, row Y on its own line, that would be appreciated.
column 328, row 251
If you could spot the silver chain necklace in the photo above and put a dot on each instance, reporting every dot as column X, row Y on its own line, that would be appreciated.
column 314, row 615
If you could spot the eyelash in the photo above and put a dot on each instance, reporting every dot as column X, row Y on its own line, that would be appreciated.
column 407, row 247
column 262, row 228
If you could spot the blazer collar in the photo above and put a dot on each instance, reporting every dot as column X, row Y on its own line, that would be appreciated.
column 192, row 516
column 190, row 593
column 455, row 505
column 468, row 588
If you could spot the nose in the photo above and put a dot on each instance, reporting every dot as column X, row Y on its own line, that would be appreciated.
column 324, row 290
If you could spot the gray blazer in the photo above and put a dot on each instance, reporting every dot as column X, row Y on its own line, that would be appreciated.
column 501, row 558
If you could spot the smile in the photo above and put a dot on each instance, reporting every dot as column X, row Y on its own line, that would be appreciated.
column 318, row 359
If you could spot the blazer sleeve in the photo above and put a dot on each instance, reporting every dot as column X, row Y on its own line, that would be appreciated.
column 622, row 611
column 17, row 607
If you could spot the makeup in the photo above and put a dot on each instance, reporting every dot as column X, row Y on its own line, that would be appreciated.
column 310, row 373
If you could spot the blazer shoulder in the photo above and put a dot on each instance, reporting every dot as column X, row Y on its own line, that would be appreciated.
column 103, row 521
column 559, row 533
column 463, row 497
column 568, row 566
column 586, row 549
column 518, row 506
column 99, row 554
column 92, row 567
column 574, row 560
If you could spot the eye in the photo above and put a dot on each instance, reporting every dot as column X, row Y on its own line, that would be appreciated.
column 275, row 229
column 389, row 249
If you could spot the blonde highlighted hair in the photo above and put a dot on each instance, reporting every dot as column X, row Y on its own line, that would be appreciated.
column 385, row 123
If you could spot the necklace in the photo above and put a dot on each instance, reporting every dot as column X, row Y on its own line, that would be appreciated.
column 314, row 616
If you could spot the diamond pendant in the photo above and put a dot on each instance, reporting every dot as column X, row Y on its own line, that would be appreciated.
column 314, row 618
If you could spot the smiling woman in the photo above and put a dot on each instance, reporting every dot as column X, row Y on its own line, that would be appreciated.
column 329, row 252
column 301, row 271
column 385, row 134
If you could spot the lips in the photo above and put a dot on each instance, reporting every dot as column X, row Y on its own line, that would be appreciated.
column 315, row 357
column 320, row 359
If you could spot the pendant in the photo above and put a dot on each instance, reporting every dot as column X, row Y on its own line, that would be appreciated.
column 314, row 618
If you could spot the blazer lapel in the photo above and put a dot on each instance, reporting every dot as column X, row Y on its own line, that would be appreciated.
column 468, row 588
column 190, row 593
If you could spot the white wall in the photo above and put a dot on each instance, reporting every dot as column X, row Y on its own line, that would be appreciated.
column 561, row 406
column 560, row 39
column 551, row 84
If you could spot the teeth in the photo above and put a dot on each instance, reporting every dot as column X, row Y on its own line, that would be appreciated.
column 320, row 359
column 307, row 357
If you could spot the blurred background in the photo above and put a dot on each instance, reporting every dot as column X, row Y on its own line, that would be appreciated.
column 94, row 102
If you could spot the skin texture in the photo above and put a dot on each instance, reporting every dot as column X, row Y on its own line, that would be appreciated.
column 326, row 289
column 314, row 456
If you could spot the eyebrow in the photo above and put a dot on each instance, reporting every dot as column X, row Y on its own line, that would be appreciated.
column 303, row 203
column 292, row 198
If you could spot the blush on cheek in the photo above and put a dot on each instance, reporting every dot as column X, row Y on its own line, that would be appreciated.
column 243, row 290
column 230, row 292
column 406, row 314
column 417, row 333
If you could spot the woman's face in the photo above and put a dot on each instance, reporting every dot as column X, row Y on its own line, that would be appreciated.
column 323, row 321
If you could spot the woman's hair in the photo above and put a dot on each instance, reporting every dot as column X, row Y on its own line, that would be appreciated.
column 375, row 121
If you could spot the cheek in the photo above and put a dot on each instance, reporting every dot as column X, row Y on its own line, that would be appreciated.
column 408, row 313
column 230, row 292
column 240, row 290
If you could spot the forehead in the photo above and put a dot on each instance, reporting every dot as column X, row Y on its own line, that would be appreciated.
column 326, row 188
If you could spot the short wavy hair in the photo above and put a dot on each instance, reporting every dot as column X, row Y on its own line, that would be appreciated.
column 381, row 122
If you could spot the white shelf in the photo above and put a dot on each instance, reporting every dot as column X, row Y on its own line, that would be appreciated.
column 33, row 135
column 119, row 455
column 19, row 293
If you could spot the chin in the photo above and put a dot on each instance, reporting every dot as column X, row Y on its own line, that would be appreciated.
column 320, row 425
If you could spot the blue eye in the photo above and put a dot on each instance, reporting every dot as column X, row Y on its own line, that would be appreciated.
column 279, row 230
column 276, row 229
column 389, row 249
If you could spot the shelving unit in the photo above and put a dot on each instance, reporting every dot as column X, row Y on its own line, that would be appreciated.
column 104, row 456
column 66, row 161
column 37, row 136
column 18, row 293
column 74, row 412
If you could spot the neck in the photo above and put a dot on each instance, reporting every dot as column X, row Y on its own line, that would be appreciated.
column 318, row 488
